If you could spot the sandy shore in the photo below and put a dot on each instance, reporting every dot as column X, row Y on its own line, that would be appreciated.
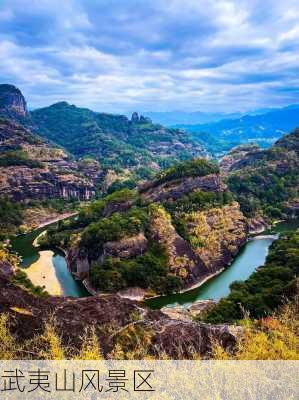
column 42, row 273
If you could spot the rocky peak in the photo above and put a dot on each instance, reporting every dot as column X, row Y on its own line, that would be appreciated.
column 140, row 119
column 12, row 101
column 135, row 117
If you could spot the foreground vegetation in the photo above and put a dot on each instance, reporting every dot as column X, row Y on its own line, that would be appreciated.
column 271, row 338
column 11, row 218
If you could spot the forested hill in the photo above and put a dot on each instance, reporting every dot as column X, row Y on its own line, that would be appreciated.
column 114, row 140
column 266, row 181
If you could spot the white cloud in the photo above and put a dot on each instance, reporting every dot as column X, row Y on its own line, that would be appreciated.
column 205, row 54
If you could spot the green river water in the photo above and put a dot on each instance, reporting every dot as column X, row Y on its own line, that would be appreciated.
column 251, row 256
column 23, row 245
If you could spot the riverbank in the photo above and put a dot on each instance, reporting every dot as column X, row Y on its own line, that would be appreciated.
column 39, row 217
column 42, row 273
column 52, row 219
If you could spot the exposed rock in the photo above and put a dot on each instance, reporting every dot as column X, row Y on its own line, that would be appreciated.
column 256, row 225
column 126, row 248
column 292, row 207
column 12, row 102
column 181, row 339
column 22, row 183
column 174, row 190
column 44, row 172
column 113, row 207
column 77, row 261
column 133, row 293
column 182, row 260
column 111, row 316
column 219, row 234
column 7, row 269
column 145, row 120
column 200, row 306
column 135, row 117
column 188, row 313
column 236, row 155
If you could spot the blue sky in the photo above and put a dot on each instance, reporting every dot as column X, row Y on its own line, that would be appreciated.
column 152, row 55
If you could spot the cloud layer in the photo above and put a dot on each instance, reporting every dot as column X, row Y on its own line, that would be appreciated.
column 154, row 55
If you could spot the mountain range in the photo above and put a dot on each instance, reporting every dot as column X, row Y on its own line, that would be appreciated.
column 114, row 140
column 170, row 118
column 264, row 129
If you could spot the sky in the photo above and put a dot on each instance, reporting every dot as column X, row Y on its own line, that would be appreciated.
column 152, row 55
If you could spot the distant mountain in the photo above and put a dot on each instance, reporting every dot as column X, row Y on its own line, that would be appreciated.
column 115, row 141
column 263, row 129
column 170, row 118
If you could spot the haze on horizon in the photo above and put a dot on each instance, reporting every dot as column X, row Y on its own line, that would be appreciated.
column 119, row 56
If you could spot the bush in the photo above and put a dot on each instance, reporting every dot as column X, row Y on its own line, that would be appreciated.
column 11, row 217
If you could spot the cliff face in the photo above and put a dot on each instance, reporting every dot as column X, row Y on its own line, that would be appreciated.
column 12, row 102
column 31, row 169
column 219, row 234
column 174, row 190
column 215, row 237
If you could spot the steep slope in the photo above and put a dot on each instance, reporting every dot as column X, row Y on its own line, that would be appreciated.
column 12, row 103
column 114, row 140
column 174, row 232
column 266, row 181
column 262, row 129
column 32, row 169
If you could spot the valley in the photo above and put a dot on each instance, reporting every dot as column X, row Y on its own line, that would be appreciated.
column 123, row 206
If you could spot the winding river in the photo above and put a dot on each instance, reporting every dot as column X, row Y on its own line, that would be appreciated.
column 49, row 268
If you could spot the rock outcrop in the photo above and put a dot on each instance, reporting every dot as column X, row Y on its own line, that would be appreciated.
column 31, row 169
column 182, row 261
column 113, row 318
column 126, row 248
column 12, row 102
column 174, row 190
column 236, row 155
column 77, row 261
column 219, row 233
